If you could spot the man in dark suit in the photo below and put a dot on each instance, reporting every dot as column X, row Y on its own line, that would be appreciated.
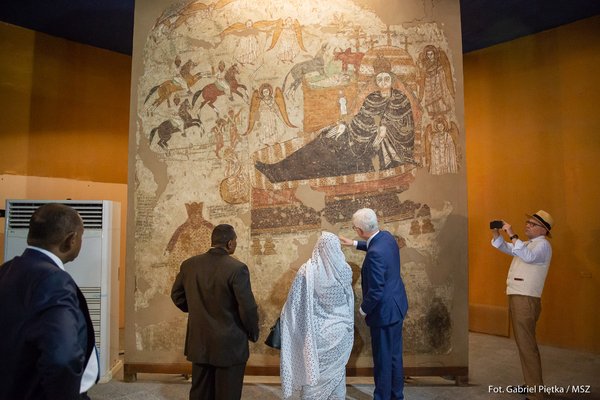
column 384, row 303
column 46, row 335
column 214, row 289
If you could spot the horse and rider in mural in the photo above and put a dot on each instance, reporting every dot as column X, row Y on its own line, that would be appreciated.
column 228, row 83
column 164, row 91
column 165, row 131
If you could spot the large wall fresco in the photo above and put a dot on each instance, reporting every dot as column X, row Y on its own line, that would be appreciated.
column 282, row 119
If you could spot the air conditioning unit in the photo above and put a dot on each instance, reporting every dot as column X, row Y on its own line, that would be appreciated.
column 95, row 270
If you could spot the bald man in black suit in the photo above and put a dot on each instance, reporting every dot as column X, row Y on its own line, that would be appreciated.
column 214, row 289
column 46, row 334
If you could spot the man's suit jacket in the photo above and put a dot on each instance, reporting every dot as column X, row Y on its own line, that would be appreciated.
column 46, row 335
column 384, row 296
column 214, row 289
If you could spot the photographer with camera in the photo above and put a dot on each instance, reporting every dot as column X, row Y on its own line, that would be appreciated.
column 524, row 286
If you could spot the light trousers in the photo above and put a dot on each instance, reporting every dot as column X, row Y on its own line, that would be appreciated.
column 524, row 313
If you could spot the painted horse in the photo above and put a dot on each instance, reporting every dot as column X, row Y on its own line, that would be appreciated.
column 165, row 130
column 164, row 92
column 211, row 92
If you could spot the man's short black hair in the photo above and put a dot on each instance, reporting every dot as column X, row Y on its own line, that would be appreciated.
column 222, row 234
column 51, row 223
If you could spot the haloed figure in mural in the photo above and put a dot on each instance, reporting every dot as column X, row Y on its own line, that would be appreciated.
column 436, row 86
column 380, row 136
column 317, row 325
column 440, row 147
column 269, row 112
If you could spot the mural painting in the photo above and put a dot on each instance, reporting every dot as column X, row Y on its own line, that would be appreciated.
column 282, row 120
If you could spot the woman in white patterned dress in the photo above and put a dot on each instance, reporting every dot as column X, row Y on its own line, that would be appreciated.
column 317, row 325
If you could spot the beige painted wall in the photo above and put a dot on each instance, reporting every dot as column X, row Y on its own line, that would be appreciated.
column 532, row 123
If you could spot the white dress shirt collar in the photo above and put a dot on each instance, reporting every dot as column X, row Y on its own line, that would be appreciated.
column 53, row 256
column 370, row 238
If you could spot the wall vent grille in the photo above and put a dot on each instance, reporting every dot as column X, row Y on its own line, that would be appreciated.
column 20, row 213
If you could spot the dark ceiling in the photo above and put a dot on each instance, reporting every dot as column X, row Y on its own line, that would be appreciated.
column 109, row 23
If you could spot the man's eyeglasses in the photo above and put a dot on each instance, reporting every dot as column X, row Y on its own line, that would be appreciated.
column 532, row 223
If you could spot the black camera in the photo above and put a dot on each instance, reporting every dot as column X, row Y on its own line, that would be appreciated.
column 496, row 225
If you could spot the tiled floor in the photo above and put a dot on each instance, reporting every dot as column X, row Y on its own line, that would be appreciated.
column 493, row 364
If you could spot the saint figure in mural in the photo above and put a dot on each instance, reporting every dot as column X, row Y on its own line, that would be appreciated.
column 440, row 147
column 436, row 86
column 174, row 18
column 247, row 49
column 380, row 136
column 287, row 39
column 268, row 111
column 190, row 238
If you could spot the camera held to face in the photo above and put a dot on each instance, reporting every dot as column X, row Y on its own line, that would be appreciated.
column 496, row 224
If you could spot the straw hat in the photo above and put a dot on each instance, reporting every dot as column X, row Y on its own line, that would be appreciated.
column 543, row 218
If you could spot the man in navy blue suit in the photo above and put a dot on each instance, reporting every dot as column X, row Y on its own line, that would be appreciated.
column 384, row 302
column 46, row 335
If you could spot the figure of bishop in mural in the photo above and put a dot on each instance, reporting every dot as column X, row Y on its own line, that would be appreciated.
column 380, row 136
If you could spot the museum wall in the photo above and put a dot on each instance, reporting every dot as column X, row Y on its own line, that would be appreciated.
column 558, row 63
column 532, row 123
column 64, row 121
column 282, row 119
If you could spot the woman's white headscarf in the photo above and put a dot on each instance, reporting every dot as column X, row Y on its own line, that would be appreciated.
column 317, row 322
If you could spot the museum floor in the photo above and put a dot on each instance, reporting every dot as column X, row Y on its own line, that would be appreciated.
column 493, row 361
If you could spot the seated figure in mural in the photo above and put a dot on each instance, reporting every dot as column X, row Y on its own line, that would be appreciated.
column 317, row 325
column 380, row 136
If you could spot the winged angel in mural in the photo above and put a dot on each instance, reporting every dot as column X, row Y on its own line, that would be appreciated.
column 380, row 136
column 267, row 111
column 173, row 18
column 287, row 39
column 436, row 86
column 248, row 47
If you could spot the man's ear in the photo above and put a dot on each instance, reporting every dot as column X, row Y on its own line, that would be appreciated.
column 68, row 242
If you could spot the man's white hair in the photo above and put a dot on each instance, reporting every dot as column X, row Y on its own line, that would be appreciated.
column 365, row 219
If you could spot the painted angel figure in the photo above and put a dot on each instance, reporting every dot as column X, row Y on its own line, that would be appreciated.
column 436, row 87
column 287, row 39
column 247, row 49
column 440, row 147
column 268, row 110
column 174, row 19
